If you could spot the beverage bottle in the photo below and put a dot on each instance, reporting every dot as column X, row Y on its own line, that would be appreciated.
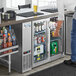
column 2, row 33
column 39, row 39
column 10, row 31
column 1, row 38
column 9, row 28
column 1, row 41
column 44, row 25
column 9, row 43
column 39, row 26
column 13, row 40
column 35, row 40
column 4, row 43
column 42, row 38
column 36, row 27
column 5, row 31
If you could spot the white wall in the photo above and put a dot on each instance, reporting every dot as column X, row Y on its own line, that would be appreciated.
column 70, row 4
column 28, row 1
column 3, row 4
column 67, row 3
column 0, row 3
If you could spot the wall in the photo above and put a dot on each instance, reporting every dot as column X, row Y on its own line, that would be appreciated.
column 28, row 1
column 3, row 4
column 69, row 4
column 0, row 3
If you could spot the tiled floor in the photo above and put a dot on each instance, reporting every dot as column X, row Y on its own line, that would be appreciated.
column 4, row 71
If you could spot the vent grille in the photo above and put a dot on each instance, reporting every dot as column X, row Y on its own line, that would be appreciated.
column 27, row 62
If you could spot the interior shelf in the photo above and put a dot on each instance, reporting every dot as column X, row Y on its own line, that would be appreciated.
column 40, row 60
column 40, row 44
column 13, row 52
column 56, row 54
column 9, row 48
column 55, row 38
column 36, row 33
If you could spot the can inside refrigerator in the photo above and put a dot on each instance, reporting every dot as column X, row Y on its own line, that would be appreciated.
column 54, row 48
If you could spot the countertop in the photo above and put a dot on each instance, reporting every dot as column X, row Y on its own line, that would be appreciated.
column 20, row 19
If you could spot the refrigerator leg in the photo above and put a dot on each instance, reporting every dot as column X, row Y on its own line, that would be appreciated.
column 9, row 70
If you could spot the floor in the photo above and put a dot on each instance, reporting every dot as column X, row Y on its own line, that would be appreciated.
column 4, row 70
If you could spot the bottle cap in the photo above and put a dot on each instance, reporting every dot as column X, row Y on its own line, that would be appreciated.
column 4, row 35
column 9, row 27
column 3, row 28
column 8, row 34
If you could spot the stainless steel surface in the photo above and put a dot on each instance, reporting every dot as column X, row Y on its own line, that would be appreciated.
column 9, row 64
column 26, row 36
column 0, row 18
column 22, row 62
column 48, row 41
column 56, row 57
column 68, row 28
column 9, row 56
column 7, row 61
column 26, row 46
column 17, row 58
column 9, row 48
column 26, row 63
column 40, row 63
column 9, row 53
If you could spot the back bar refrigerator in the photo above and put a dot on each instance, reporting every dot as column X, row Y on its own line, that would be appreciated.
column 55, row 44
column 39, row 42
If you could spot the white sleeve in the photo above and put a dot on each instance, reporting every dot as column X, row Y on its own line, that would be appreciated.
column 60, row 4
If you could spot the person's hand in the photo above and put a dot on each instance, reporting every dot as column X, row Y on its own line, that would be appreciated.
column 56, row 33
column 59, row 24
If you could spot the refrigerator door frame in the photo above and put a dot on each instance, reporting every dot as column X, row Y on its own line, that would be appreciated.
column 32, row 31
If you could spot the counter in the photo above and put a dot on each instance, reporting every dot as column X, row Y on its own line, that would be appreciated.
column 20, row 19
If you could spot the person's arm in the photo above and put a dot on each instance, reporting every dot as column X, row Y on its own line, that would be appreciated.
column 60, row 5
